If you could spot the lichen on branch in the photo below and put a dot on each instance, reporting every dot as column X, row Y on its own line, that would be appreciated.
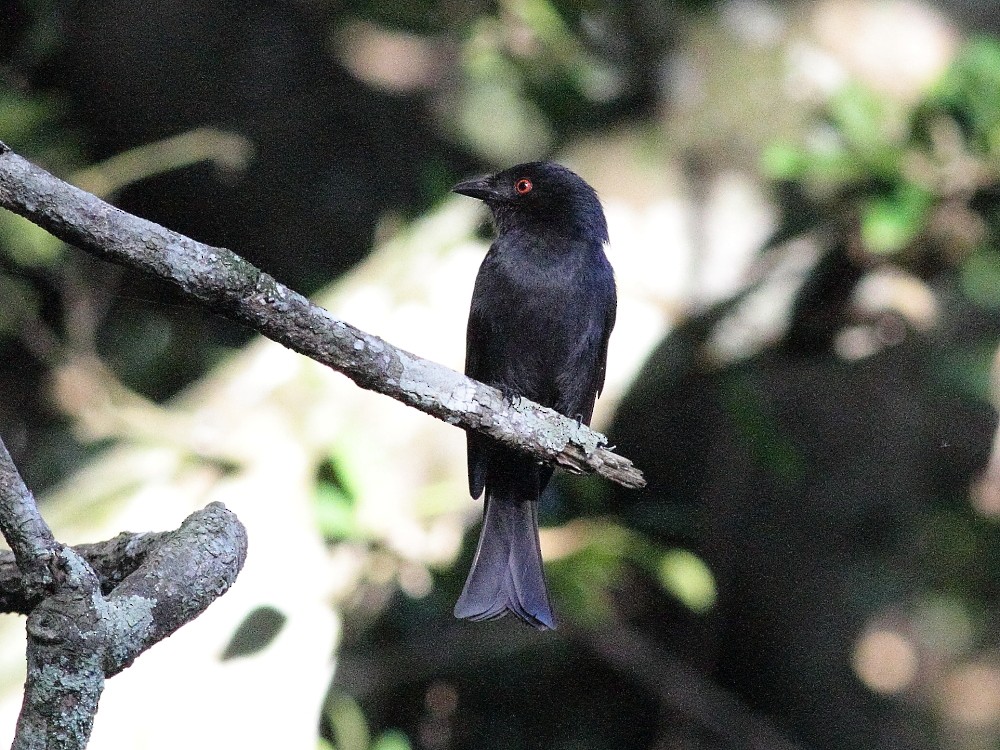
column 229, row 285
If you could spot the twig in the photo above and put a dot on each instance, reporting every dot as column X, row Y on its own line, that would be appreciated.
column 224, row 282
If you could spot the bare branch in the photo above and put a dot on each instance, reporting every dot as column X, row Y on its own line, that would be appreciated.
column 22, row 525
column 117, row 559
column 113, row 561
column 65, row 675
column 77, row 637
column 183, row 573
column 223, row 281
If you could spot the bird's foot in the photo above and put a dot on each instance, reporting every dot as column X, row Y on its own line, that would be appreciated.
column 510, row 396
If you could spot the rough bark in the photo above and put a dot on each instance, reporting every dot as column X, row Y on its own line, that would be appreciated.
column 224, row 282
column 84, row 626
column 93, row 609
column 112, row 561
column 23, row 527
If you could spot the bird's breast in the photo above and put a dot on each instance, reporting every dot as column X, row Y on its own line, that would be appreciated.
column 538, row 305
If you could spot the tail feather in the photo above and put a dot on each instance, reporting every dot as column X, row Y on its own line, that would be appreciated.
column 506, row 574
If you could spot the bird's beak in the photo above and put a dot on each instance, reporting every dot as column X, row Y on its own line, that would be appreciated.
column 477, row 187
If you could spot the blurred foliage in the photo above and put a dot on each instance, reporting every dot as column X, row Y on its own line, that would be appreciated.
column 687, row 577
column 30, row 125
column 913, row 186
column 841, row 475
column 914, row 175
column 583, row 580
column 759, row 430
column 350, row 730
column 544, row 70
column 336, row 497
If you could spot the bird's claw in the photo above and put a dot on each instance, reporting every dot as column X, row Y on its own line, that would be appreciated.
column 510, row 396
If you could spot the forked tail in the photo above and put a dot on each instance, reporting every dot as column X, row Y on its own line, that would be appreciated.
column 506, row 573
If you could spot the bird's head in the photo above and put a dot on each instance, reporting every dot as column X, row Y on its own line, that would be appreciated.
column 540, row 195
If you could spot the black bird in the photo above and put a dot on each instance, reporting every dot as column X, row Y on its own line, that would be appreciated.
column 542, row 310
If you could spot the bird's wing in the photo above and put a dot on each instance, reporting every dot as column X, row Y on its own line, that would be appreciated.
column 609, row 324
column 582, row 378
column 475, row 365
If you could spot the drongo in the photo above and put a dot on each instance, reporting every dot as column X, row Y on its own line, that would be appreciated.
column 542, row 310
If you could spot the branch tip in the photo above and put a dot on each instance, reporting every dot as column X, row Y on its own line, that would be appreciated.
column 220, row 279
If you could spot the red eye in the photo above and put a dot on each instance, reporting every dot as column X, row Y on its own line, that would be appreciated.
column 523, row 186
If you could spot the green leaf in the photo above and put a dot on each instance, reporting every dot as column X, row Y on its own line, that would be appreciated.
column 22, row 117
column 347, row 720
column 339, row 485
column 27, row 244
column 970, row 91
column 583, row 580
column 784, row 161
column 686, row 576
column 864, row 118
column 543, row 19
column 891, row 223
column 392, row 740
column 335, row 513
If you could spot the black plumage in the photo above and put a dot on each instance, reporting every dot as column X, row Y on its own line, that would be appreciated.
column 542, row 310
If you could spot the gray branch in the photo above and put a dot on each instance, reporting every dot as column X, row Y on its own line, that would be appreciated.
column 65, row 675
column 183, row 573
column 84, row 626
column 112, row 561
column 224, row 282
column 22, row 526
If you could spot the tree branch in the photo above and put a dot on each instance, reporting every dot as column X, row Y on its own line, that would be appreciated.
column 65, row 677
column 77, row 634
column 184, row 572
column 29, row 537
column 113, row 561
column 224, row 282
